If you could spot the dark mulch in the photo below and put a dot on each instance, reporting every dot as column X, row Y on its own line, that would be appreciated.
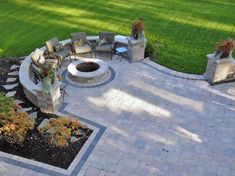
column 35, row 147
column 4, row 68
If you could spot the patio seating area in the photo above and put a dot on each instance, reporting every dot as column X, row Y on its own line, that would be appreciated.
column 109, row 111
column 153, row 122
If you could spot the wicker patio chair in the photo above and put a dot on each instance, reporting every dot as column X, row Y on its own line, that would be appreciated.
column 106, row 43
column 57, row 49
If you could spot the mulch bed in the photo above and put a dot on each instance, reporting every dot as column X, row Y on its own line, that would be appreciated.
column 34, row 146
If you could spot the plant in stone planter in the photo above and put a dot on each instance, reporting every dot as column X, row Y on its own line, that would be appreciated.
column 225, row 48
column 137, row 29
column 48, row 73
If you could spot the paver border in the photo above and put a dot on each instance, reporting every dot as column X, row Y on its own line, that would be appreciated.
column 170, row 72
column 18, row 161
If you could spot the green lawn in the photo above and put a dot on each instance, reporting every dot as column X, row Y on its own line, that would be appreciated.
column 185, row 30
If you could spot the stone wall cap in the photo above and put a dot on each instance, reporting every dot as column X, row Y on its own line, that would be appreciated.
column 217, row 60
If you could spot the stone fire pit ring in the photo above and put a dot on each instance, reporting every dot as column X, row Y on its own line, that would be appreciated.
column 87, row 76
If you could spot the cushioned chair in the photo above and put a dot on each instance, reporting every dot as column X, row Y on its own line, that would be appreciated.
column 37, row 57
column 80, row 43
column 106, row 43
column 53, row 46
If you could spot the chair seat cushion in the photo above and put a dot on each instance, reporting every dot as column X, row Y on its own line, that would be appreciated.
column 78, row 43
column 102, row 42
column 82, row 49
column 107, row 47
column 64, row 53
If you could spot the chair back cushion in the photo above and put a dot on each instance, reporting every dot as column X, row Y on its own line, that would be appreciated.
column 37, row 57
column 78, row 43
column 58, row 47
column 109, row 36
column 78, row 36
column 50, row 44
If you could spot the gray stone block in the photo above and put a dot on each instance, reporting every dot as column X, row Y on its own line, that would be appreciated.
column 218, row 69
column 43, row 124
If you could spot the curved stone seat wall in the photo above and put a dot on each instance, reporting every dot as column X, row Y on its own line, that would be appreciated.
column 26, row 75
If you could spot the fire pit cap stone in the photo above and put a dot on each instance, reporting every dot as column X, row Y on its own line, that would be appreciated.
column 72, row 68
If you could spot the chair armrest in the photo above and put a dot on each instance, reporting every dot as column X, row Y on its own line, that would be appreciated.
column 97, row 42
column 114, row 44
column 89, row 43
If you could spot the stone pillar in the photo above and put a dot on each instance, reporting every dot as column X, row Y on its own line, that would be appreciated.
column 49, row 102
column 136, row 49
column 217, row 69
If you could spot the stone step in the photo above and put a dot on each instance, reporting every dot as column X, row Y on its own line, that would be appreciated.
column 18, row 101
column 11, row 80
column 25, row 109
column 14, row 67
column 15, row 73
column 33, row 115
column 11, row 94
column 11, row 86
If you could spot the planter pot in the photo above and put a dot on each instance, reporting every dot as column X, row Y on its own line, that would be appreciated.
column 49, row 100
column 136, row 49
column 217, row 69
column 219, row 55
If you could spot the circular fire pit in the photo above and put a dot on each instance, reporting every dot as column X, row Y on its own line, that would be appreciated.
column 87, row 67
column 87, row 71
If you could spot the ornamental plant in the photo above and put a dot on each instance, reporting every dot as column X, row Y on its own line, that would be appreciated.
column 59, row 130
column 14, row 124
column 224, row 48
column 137, row 28
column 48, row 70
column 48, row 74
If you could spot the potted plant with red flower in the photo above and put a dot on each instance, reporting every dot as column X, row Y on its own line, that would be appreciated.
column 137, row 29
column 225, row 48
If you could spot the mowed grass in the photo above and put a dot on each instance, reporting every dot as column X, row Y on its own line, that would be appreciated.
column 184, row 30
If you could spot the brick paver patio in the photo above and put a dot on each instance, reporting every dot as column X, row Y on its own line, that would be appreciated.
column 156, row 125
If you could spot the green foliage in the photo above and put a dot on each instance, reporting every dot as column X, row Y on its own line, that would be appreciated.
column 13, row 124
column 48, row 73
column 60, row 130
column 6, row 104
column 188, row 28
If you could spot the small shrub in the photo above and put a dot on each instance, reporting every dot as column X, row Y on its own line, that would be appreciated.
column 6, row 104
column 151, row 50
column 59, row 130
column 13, row 124
column 14, row 61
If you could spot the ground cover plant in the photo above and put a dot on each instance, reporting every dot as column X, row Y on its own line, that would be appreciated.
column 14, row 124
column 184, row 30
